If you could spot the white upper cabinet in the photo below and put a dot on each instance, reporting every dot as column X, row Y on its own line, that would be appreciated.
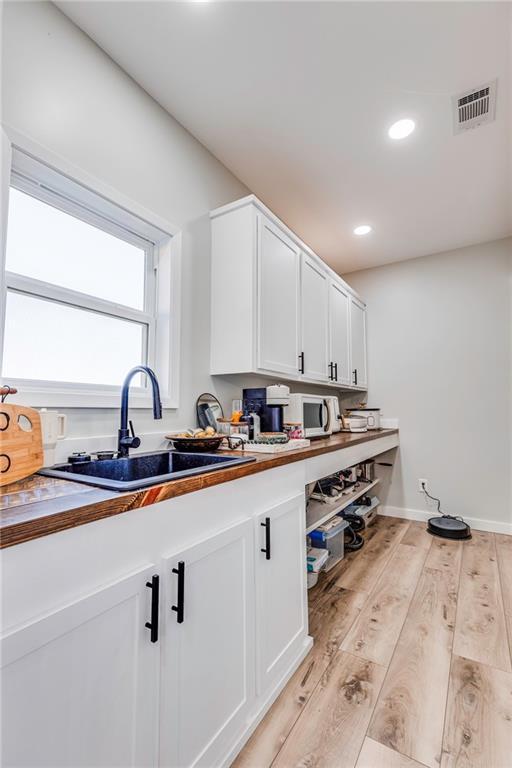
column 339, row 325
column 315, row 319
column 276, row 308
column 278, row 299
column 358, row 342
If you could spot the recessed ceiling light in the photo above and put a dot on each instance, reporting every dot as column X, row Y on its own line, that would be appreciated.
column 362, row 230
column 401, row 129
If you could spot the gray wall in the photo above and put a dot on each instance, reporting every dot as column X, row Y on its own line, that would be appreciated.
column 64, row 93
column 440, row 358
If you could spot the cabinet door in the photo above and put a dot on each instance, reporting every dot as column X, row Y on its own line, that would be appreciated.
column 339, row 302
column 315, row 319
column 280, row 589
column 278, row 300
column 208, row 657
column 80, row 686
column 358, row 342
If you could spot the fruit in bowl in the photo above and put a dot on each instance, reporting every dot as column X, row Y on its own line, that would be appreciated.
column 201, row 433
column 203, row 440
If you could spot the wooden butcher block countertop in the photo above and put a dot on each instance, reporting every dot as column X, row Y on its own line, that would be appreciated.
column 38, row 506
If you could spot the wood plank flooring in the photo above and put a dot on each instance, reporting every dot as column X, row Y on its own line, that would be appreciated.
column 411, row 666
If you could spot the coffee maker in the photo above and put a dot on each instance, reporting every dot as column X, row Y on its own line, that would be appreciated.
column 268, row 404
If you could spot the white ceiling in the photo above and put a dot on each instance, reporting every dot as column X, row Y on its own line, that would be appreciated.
column 295, row 98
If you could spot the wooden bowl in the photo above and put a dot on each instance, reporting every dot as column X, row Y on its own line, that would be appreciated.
column 199, row 444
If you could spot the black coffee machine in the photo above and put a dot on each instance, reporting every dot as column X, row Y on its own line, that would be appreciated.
column 268, row 403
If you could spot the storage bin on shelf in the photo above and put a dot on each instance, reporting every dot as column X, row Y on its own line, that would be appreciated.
column 330, row 536
column 315, row 559
column 368, row 513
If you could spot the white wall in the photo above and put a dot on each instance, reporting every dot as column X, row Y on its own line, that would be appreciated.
column 64, row 93
column 440, row 359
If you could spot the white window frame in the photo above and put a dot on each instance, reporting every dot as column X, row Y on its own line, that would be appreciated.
column 33, row 170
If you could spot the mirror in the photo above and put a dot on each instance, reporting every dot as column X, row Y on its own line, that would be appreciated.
column 208, row 410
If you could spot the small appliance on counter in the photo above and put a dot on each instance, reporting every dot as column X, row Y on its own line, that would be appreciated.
column 333, row 405
column 312, row 413
column 263, row 408
column 372, row 416
column 354, row 423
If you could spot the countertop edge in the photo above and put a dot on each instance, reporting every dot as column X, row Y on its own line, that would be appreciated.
column 41, row 518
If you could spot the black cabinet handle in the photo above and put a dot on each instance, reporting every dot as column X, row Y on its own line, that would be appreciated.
column 266, row 548
column 355, row 375
column 301, row 362
column 331, row 371
column 180, row 608
column 336, row 371
column 154, row 586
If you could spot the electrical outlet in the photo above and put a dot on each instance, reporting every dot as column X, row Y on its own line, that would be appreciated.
column 422, row 485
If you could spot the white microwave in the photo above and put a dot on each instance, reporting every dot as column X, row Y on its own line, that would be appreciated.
column 312, row 413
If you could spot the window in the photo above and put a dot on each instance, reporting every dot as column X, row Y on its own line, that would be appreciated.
column 82, row 290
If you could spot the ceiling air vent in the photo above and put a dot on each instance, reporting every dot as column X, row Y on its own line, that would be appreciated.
column 475, row 107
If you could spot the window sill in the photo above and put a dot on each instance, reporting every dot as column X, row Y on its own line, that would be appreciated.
column 40, row 397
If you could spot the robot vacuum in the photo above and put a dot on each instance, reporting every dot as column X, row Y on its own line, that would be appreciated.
column 448, row 527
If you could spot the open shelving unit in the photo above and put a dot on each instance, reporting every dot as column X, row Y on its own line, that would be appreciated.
column 318, row 512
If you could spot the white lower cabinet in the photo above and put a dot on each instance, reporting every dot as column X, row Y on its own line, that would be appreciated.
column 80, row 685
column 207, row 684
column 90, row 684
column 281, row 598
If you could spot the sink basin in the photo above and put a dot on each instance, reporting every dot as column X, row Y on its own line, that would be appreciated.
column 143, row 469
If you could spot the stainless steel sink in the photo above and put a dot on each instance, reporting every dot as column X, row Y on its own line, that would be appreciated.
column 132, row 472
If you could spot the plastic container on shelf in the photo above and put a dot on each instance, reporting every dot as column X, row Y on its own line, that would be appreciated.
column 315, row 559
column 367, row 512
column 312, row 578
column 330, row 536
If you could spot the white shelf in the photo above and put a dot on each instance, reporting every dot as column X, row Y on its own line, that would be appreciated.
column 329, row 510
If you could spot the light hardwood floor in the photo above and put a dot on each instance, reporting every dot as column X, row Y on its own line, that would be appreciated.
column 411, row 666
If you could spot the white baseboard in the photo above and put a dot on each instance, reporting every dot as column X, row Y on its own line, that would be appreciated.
column 493, row 526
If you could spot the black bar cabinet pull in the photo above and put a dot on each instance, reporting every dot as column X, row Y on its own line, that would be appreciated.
column 154, row 586
column 301, row 362
column 331, row 371
column 266, row 549
column 355, row 375
column 335, row 371
column 180, row 572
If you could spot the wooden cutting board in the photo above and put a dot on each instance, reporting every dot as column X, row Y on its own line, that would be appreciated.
column 21, row 444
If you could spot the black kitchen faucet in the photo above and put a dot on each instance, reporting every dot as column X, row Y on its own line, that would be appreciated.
column 126, row 437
